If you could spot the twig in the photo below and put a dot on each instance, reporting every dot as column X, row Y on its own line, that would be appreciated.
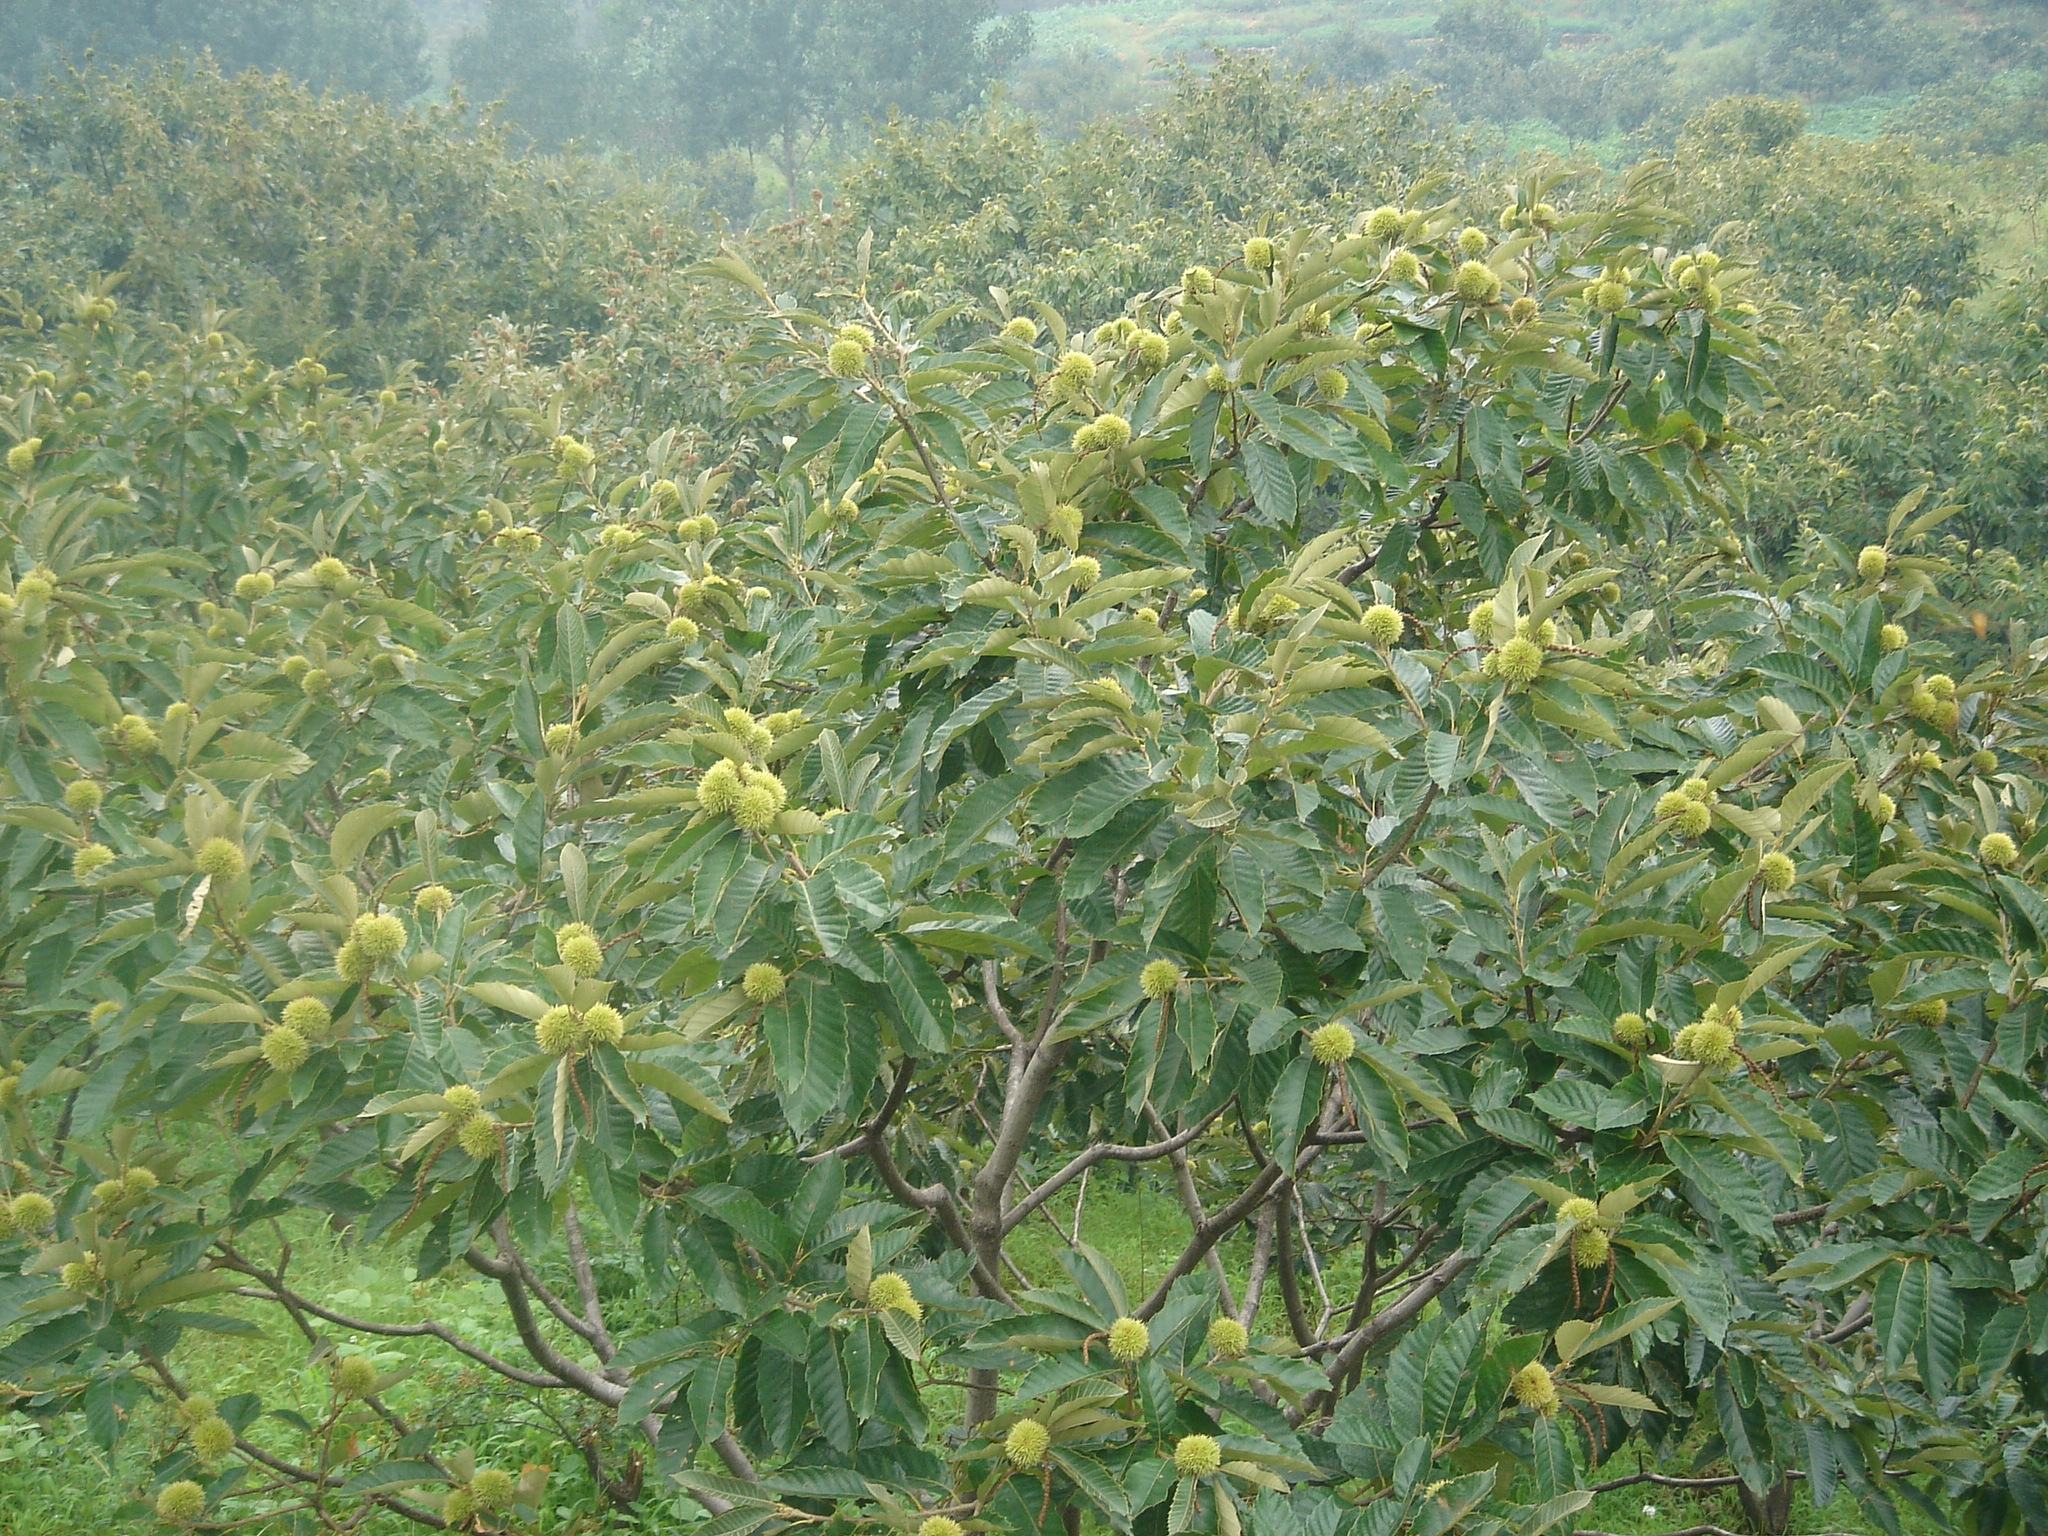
column 1290, row 1281
column 1264, row 1235
column 1369, row 1281
column 1402, row 839
column 294, row 1302
column 1856, row 1318
column 1219, row 1226
column 557, row 1308
column 1308, row 1249
column 898, row 1091
column 275, row 1290
column 990, row 975
column 1599, row 419
column 1209, row 1233
column 1396, row 1315
column 1801, row 1216
column 586, row 1287
column 937, row 1199
column 1662, row 1481
column 931, row 469
column 527, row 1326
column 1977, row 1077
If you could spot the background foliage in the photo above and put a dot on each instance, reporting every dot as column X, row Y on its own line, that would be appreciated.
column 371, row 46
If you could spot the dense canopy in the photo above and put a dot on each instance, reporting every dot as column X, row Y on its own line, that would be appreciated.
column 1218, row 741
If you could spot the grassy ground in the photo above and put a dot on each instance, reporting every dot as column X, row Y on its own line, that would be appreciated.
column 54, row 1481
column 1646, row 1509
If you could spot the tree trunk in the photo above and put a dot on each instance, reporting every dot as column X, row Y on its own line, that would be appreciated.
column 1770, row 1512
column 985, row 1223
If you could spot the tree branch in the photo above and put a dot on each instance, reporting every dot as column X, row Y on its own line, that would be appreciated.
column 735, row 1460
column 1369, row 1258
column 1801, row 1216
column 1853, row 1321
column 931, row 469
column 1420, row 1295
column 506, row 1273
column 899, row 1090
column 1264, row 1236
column 1661, row 1481
column 1290, row 1279
column 274, row 1289
column 595, row 1332
column 1211, row 1232
column 937, row 1199
column 1013, row 1131
column 256, row 1453
column 1048, row 1013
column 557, row 1308
column 1401, row 840
column 1597, row 421
column 990, row 977
column 292, row 1300
column 1103, row 1151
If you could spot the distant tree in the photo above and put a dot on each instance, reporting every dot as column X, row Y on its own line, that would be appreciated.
column 526, row 56
column 1347, row 54
column 371, row 46
column 1066, row 88
column 1969, row 115
column 755, row 73
column 991, row 201
column 1588, row 96
column 1492, row 29
column 1744, row 125
column 780, row 75
column 370, row 236
column 1863, row 226
column 1833, row 48
column 1480, row 53
column 924, row 58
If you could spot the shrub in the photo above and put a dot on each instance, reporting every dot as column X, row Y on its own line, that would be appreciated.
column 1911, row 398
column 372, row 237
column 1869, row 223
column 1832, row 48
column 369, row 46
column 1119, row 207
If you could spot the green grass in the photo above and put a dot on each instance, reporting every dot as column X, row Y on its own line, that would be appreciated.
column 54, row 1481
column 1860, row 117
column 1646, row 1510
